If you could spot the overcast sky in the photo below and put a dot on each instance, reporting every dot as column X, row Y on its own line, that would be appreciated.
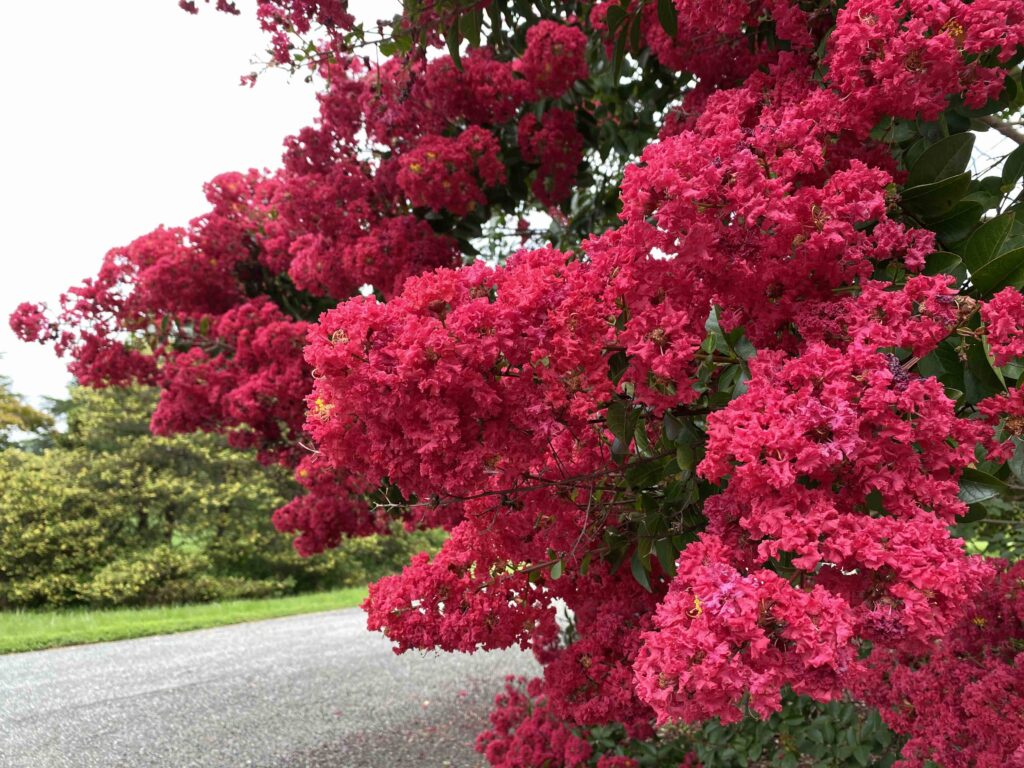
column 112, row 118
column 114, row 113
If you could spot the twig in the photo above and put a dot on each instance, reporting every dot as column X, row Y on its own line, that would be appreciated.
column 1004, row 128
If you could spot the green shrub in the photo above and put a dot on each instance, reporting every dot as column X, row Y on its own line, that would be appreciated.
column 112, row 515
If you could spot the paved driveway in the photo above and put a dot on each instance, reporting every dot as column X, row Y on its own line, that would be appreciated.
column 300, row 692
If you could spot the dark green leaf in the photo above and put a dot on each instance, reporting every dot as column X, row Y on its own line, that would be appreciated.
column 636, row 566
column 960, row 222
column 619, row 55
column 1006, row 269
column 619, row 451
column 942, row 160
column 453, row 39
column 1013, row 168
column 936, row 201
column 986, row 242
column 668, row 17
column 634, row 33
column 666, row 555
column 615, row 16
column 585, row 565
column 981, row 379
column 469, row 25
column 994, row 261
column 977, row 486
column 673, row 427
column 685, row 458
column 622, row 419
column 941, row 261
column 1016, row 463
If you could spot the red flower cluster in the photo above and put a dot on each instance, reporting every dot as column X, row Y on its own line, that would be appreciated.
column 905, row 59
column 982, row 661
column 524, row 733
column 766, row 176
column 725, row 638
column 249, row 383
column 29, row 323
column 1004, row 325
column 333, row 508
column 555, row 58
column 451, row 174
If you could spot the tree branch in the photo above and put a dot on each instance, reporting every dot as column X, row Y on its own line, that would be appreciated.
column 1004, row 128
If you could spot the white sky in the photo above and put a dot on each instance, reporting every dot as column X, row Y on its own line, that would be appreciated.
column 111, row 120
column 110, row 124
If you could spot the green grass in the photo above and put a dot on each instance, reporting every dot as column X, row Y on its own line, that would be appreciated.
column 35, row 630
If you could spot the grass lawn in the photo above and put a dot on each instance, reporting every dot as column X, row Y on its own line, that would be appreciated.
column 35, row 630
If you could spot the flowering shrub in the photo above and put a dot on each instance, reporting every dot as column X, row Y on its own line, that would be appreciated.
column 731, row 408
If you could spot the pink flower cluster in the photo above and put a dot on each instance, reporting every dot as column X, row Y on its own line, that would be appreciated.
column 982, row 725
column 248, row 383
column 29, row 322
column 917, row 317
column 1004, row 325
column 555, row 58
column 725, row 638
column 451, row 174
column 803, row 216
column 524, row 734
column 331, row 509
column 906, row 58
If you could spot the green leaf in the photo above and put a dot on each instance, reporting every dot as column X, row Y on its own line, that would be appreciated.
column 619, row 451
column 960, row 222
column 982, row 379
column 666, row 555
column 935, row 201
column 940, row 261
column 643, row 443
column 636, row 565
column 1006, row 269
column 615, row 16
column 1013, row 168
column 619, row 55
column 990, row 265
column 1016, row 463
column 646, row 474
column 622, row 420
column 469, row 25
column 585, row 565
column 673, row 427
column 685, row 457
column 453, row 39
column 986, row 241
column 668, row 17
column 556, row 571
column 942, row 160
column 977, row 486
column 634, row 33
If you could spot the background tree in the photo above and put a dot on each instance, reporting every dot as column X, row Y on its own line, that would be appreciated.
column 112, row 515
column 16, row 416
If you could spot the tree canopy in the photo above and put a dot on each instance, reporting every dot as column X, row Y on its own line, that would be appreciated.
column 695, row 317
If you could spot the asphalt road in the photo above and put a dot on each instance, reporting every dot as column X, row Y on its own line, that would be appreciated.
column 301, row 692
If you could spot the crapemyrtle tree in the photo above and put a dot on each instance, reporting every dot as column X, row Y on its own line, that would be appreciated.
column 703, row 320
